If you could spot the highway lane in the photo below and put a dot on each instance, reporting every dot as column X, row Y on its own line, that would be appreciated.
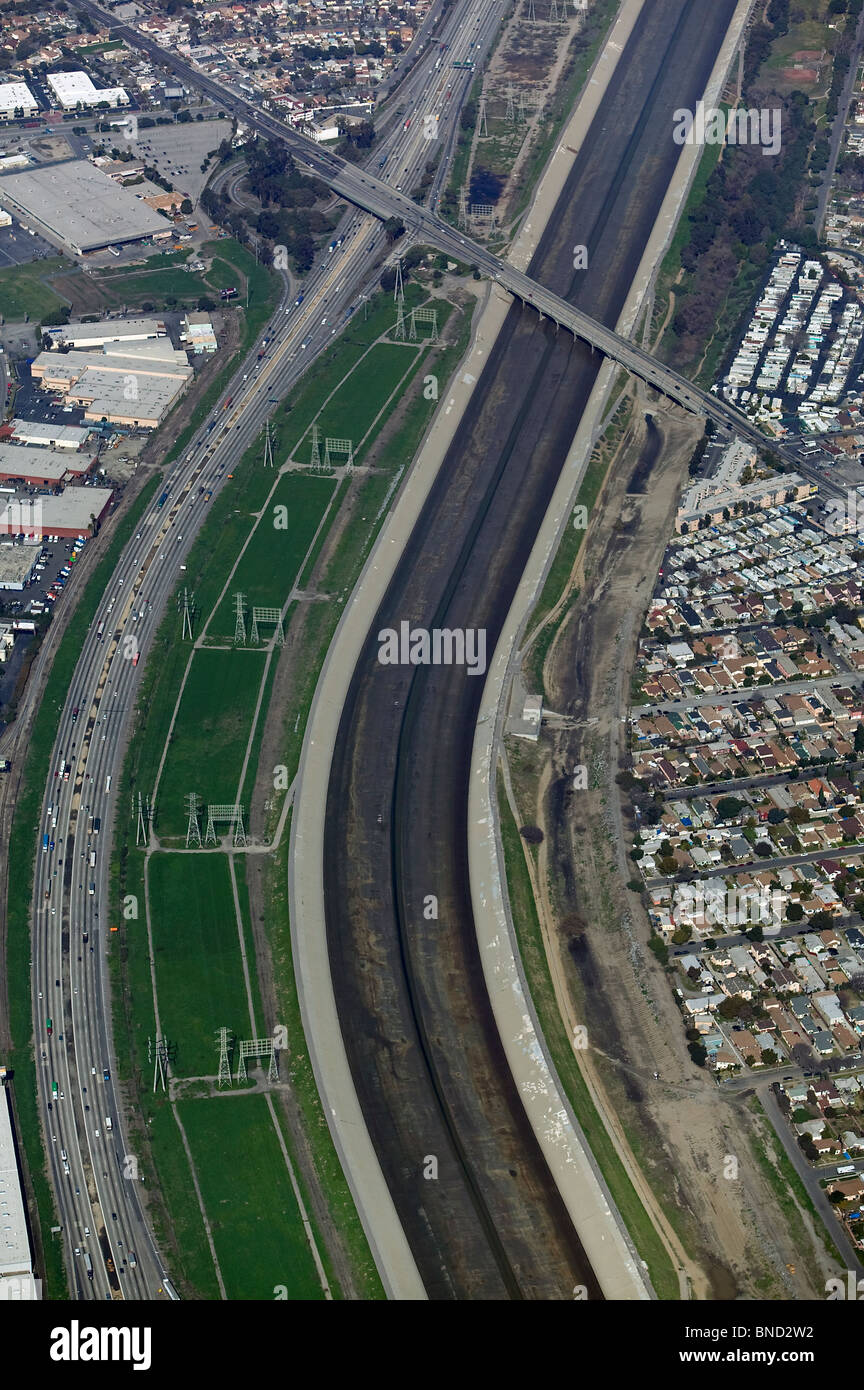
column 101, row 1180
column 383, row 201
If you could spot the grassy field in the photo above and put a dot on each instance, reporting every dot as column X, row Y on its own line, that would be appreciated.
column 271, row 554
column 533, row 955
column 211, row 733
column 352, row 410
column 272, row 560
column 23, row 291
column 197, row 957
column 257, row 1230
column 162, row 279
column 334, row 365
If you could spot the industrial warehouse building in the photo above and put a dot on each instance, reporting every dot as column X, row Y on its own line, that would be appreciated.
column 132, row 384
column 71, row 514
column 76, row 206
column 42, row 467
column 16, row 1264
column 75, row 90
column 49, row 435
column 96, row 335
column 17, row 563
column 16, row 97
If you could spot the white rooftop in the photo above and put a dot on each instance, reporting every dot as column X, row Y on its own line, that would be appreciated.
column 71, row 87
column 79, row 205
column 14, row 1244
column 15, row 94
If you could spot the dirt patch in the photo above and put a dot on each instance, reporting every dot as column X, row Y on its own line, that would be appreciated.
column 678, row 1126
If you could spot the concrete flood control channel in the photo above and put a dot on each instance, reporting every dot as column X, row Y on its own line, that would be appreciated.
column 425, row 1056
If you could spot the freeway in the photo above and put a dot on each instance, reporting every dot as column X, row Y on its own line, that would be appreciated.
column 382, row 200
column 93, row 1173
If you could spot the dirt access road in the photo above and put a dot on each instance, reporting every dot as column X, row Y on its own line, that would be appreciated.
column 680, row 1129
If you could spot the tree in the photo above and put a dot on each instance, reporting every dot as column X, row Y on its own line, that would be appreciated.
column 794, row 912
column 660, row 949
column 729, row 807
column 394, row 227
column 531, row 834
column 186, row 206
column 821, row 920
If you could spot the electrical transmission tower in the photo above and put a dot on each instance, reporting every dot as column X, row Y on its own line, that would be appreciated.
column 141, row 824
column 481, row 115
column 157, row 1053
column 424, row 315
column 188, row 612
column 316, row 451
column 233, row 813
column 463, row 209
column 530, row 11
column 239, row 620
column 268, row 447
column 258, row 1047
column 267, row 615
column 399, row 297
column 224, row 1062
column 342, row 446
column 193, row 829
column 510, row 114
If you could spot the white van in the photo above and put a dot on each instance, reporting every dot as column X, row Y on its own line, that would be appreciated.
column 92, row 858
column 108, row 782
column 108, row 1124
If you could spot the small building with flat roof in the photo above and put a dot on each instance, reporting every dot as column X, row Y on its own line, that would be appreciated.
column 17, row 563
column 198, row 333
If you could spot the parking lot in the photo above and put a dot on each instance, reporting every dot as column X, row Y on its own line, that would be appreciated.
column 18, row 247
column 33, row 404
column 53, row 557
column 178, row 151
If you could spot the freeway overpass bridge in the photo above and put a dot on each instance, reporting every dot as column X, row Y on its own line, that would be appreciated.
column 382, row 200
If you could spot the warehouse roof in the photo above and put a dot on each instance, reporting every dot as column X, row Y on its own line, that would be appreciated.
column 72, row 510
column 17, row 461
column 14, row 94
column 71, row 87
column 14, row 1244
column 79, row 205
column 16, row 563
column 108, row 331
column 47, row 433
column 126, row 396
